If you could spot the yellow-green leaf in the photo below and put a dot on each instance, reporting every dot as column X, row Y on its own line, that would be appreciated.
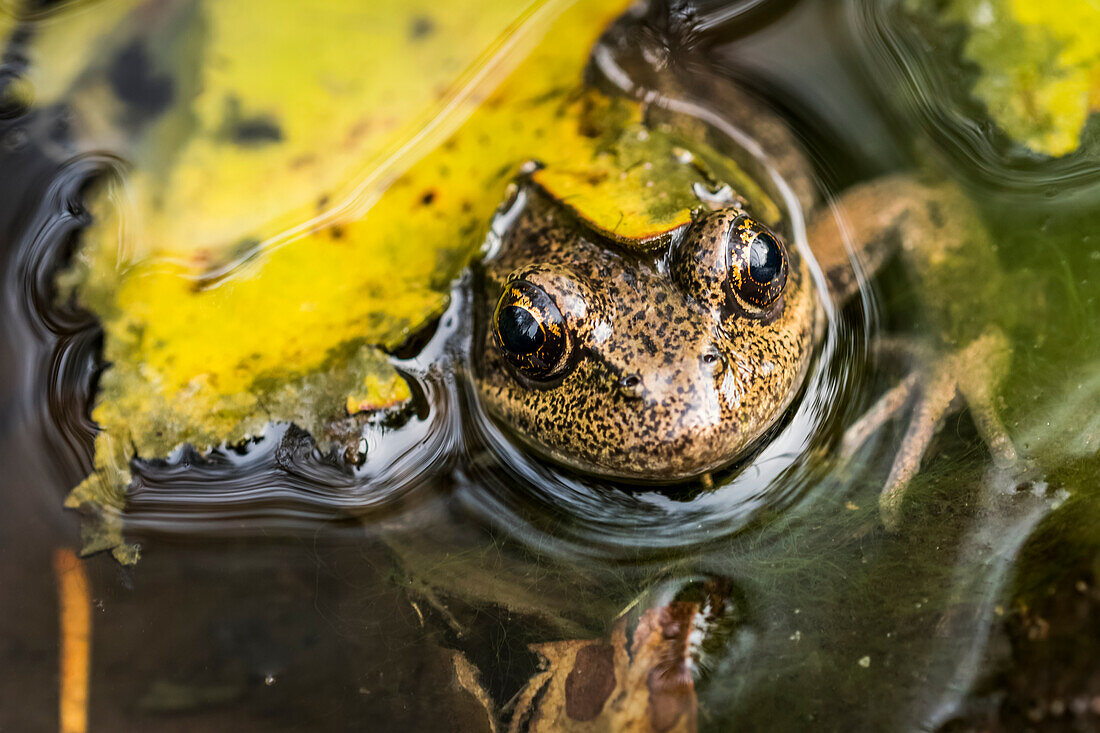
column 237, row 275
column 1039, row 66
column 640, row 185
column 310, row 187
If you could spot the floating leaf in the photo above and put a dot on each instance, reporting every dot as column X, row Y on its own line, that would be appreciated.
column 641, row 188
column 309, row 184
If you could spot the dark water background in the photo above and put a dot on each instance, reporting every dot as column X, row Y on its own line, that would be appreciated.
column 276, row 591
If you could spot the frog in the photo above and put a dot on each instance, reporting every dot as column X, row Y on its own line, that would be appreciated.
column 661, row 362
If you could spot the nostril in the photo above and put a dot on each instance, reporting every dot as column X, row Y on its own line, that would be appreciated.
column 712, row 358
column 630, row 386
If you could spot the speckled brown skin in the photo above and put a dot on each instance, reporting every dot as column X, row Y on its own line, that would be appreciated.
column 669, row 374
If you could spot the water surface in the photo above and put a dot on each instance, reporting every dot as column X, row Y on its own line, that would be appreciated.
column 281, row 589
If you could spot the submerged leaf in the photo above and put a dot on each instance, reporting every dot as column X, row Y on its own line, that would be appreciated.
column 1039, row 66
column 596, row 684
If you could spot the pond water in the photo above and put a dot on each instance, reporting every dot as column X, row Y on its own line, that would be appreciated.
column 282, row 588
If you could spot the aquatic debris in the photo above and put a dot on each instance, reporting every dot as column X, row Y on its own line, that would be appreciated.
column 598, row 685
column 75, row 627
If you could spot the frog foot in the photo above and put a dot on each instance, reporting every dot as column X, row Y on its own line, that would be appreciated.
column 969, row 375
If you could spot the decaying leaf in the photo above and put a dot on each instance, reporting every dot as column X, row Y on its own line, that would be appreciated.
column 304, row 183
column 216, row 320
column 1040, row 66
column 596, row 685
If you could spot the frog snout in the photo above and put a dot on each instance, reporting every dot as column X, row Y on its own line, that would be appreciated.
column 673, row 382
column 669, row 421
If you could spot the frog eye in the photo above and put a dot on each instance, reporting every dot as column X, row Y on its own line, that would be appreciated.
column 758, row 262
column 530, row 331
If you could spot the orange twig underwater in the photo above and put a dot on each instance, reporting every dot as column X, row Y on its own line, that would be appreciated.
column 75, row 626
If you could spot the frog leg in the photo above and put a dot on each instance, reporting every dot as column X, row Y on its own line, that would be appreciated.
column 903, row 350
column 881, row 413
column 855, row 236
column 974, row 373
column 980, row 369
column 876, row 219
column 932, row 405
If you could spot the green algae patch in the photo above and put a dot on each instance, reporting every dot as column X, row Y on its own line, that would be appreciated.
column 1039, row 66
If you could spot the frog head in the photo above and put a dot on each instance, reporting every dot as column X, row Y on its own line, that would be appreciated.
column 651, row 364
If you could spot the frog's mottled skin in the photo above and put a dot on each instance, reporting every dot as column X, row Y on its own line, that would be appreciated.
column 670, row 379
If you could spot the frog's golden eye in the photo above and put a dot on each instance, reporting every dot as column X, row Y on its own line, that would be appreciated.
column 758, row 262
column 530, row 331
